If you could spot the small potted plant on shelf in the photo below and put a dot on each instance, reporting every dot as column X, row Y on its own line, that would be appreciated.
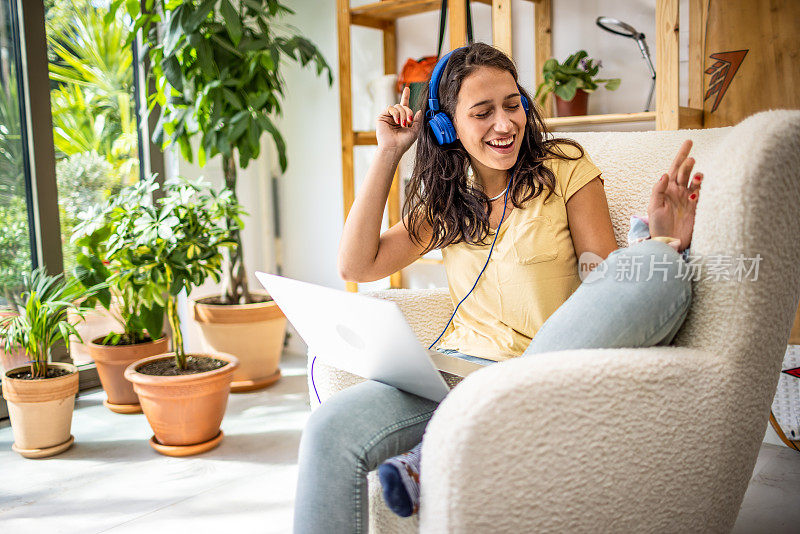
column 218, row 67
column 178, row 242
column 41, row 395
column 572, row 81
column 105, row 239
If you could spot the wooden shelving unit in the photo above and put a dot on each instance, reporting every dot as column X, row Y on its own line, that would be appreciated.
column 384, row 14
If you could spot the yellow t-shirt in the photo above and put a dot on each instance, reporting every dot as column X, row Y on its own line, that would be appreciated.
column 533, row 270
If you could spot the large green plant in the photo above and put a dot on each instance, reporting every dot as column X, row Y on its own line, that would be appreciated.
column 42, row 318
column 218, row 73
column 577, row 72
column 107, row 251
column 169, row 245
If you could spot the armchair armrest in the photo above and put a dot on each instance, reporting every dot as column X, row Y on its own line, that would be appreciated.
column 613, row 440
column 426, row 310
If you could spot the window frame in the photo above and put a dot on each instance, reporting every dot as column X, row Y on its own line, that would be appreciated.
column 36, row 120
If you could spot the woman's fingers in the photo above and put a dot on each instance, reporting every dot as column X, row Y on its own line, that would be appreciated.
column 402, row 115
column 694, row 189
column 684, row 171
column 408, row 116
column 683, row 153
column 659, row 188
column 694, row 185
column 404, row 99
column 393, row 111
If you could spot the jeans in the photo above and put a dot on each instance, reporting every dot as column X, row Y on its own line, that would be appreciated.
column 358, row 428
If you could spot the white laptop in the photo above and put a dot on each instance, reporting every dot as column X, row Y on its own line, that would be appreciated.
column 366, row 336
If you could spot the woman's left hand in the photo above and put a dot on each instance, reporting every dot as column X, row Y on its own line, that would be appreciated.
column 673, row 201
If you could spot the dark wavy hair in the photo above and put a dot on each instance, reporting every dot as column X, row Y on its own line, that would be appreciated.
column 439, row 194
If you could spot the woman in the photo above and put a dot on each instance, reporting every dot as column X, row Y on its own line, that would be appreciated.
column 539, row 205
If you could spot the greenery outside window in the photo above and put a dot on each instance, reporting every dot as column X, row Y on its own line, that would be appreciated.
column 69, row 134
column 15, row 239
column 92, row 97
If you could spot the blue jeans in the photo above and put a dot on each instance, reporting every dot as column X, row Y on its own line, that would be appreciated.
column 358, row 428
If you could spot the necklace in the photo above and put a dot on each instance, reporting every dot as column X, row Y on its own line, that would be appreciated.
column 503, row 192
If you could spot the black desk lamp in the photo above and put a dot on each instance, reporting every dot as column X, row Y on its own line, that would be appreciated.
column 626, row 30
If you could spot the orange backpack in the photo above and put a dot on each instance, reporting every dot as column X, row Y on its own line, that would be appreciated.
column 417, row 72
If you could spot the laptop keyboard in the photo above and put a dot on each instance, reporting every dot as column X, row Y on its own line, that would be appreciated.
column 450, row 379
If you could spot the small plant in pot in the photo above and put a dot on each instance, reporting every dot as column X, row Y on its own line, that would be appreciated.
column 571, row 82
column 218, row 67
column 105, row 240
column 178, row 241
column 41, row 395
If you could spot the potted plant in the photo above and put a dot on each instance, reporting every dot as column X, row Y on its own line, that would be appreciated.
column 41, row 395
column 105, row 243
column 572, row 81
column 218, row 70
column 177, row 241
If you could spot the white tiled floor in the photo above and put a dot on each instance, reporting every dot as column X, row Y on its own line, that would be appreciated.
column 112, row 481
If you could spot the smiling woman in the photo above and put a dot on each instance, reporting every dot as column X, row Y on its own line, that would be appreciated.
column 497, row 140
column 512, row 266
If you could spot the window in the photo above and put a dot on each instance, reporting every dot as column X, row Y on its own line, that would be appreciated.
column 15, row 239
column 93, row 106
column 78, row 71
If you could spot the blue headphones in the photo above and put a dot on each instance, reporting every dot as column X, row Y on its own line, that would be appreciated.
column 440, row 123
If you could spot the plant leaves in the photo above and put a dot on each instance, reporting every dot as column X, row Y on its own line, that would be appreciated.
column 567, row 90
column 280, row 144
column 232, row 21
column 172, row 72
column 201, row 14
column 152, row 318
column 174, row 32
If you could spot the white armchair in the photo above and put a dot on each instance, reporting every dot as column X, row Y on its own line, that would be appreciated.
column 661, row 439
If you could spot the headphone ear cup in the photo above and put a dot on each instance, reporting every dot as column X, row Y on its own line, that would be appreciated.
column 524, row 103
column 443, row 129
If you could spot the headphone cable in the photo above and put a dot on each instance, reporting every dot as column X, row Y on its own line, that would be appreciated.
column 497, row 233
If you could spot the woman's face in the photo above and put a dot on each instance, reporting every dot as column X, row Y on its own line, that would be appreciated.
column 489, row 118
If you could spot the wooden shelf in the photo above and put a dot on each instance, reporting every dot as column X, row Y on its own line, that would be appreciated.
column 369, row 138
column 365, row 138
column 394, row 9
column 608, row 118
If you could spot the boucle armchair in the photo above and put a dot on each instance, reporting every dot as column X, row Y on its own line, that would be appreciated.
column 662, row 439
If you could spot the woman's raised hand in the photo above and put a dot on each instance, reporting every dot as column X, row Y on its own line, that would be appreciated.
column 673, row 201
column 398, row 127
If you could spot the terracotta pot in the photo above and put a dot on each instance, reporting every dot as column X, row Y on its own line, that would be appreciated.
column 576, row 106
column 184, row 410
column 254, row 333
column 41, row 411
column 111, row 362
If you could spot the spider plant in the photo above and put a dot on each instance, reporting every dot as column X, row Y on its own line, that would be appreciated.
column 42, row 318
